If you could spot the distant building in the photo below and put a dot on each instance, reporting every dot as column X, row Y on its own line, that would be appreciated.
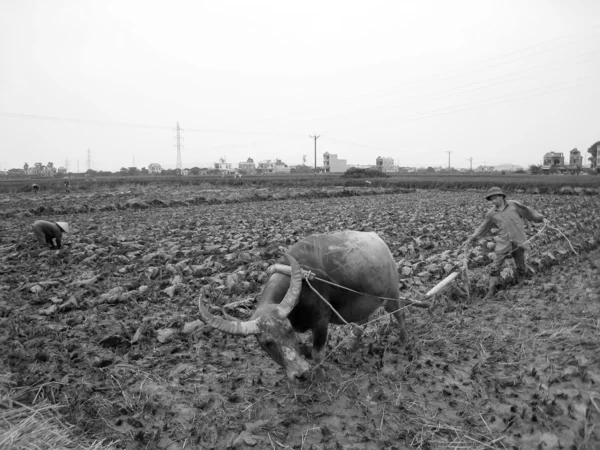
column 223, row 166
column 154, row 169
column 554, row 159
column 385, row 164
column 575, row 159
column 270, row 166
column 247, row 166
column 331, row 163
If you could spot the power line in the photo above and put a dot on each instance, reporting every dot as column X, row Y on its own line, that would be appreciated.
column 479, row 103
column 469, row 69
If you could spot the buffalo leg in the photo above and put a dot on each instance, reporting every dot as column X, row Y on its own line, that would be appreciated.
column 319, row 333
column 397, row 309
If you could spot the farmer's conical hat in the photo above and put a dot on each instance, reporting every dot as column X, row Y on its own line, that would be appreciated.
column 64, row 226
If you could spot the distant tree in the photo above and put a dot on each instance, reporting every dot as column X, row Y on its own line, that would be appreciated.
column 16, row 172
column 354, row 172
column 144, row 171
column 132, row 171
column 593, row 151
column 553, row 169
column 521, row 171
column 123, row 171
column 195, row 170
column 303, row 168
column 25, row 167
column 430, row 170
column 535, row 170
column 167, row 172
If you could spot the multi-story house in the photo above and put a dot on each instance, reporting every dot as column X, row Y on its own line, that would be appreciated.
column 554, row 159
column 270, row 166
column 385, row 164
column 575, row 159
column 331, row 163
column 247, row 166
column 154, row 169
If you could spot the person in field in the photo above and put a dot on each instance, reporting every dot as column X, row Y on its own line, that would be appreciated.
column 47, row 233
column 35, row 188
column 67, row 186
column 507, row 216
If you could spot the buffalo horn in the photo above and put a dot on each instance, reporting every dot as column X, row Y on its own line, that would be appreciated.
column 293, row 293
column 227, row 326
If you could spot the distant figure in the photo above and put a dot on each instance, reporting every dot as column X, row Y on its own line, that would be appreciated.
column 48, row 232
column 67, row 186
column 35, row 188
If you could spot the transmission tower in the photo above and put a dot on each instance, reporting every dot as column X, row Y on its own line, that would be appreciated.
column 315, row 137
column 67, row 164
column 179, row 139
column 89, row 160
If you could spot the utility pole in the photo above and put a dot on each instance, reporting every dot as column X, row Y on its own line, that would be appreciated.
column 471, row 161
column 179, row 139
column 89, row 160
column 448, row 151
column 315, row 137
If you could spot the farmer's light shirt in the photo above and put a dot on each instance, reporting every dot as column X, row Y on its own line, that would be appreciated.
column 509, row 222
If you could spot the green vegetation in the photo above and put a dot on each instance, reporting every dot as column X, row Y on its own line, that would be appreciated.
column 510, row 182
column 364, row 173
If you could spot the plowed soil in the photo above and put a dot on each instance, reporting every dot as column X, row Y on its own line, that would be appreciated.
column 108, row 326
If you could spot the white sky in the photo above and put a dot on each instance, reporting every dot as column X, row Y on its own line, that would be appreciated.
column 498, row 81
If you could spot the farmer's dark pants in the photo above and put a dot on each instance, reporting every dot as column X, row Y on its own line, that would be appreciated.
column 517, row 253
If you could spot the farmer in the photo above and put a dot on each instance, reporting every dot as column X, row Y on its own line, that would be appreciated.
column 506, row 215
column 67, row 186
column 46, row 232
column 35, row 188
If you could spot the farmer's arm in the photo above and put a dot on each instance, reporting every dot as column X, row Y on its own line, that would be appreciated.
column 483, row 229
column 528, row 213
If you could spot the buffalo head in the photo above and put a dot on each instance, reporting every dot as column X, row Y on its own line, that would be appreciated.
column 271, row 327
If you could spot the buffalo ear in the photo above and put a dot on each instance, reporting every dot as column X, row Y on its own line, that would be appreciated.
column 293, row 294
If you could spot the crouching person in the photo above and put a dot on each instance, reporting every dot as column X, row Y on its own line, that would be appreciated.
column 507, row 216
column 46, row 233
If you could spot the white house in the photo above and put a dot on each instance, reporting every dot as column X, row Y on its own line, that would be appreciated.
column 154, row 169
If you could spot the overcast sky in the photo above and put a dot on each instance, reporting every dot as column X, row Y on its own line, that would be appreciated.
column 499, row 82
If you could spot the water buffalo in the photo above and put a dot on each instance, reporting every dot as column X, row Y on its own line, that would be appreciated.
column 357, row 260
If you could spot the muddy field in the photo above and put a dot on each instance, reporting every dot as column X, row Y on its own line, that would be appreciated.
column 108, row 326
